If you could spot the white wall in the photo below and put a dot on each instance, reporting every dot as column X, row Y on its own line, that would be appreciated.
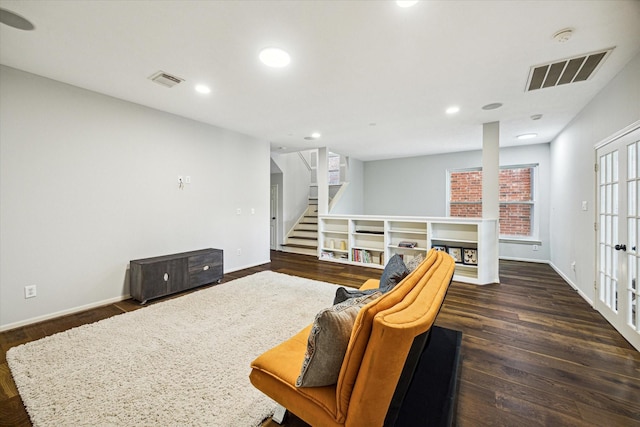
column 352, row 200
column 296, row 179
column 89, row 182
column 572, row 170
column 418, row 186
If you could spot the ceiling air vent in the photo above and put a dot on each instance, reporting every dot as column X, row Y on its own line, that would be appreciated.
column 166, row 80
column 571, row 70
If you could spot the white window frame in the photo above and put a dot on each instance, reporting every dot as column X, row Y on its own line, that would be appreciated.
column 535, row 220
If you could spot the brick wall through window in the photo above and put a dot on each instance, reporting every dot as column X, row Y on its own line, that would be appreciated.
column 516, row 198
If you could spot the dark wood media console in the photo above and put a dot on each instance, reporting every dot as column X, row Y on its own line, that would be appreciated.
column 164, row 275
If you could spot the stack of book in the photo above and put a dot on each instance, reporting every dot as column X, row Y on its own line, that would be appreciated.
column 361, row 255
column 365, row 256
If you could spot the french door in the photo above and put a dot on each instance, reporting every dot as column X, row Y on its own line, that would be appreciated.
column 618, row 256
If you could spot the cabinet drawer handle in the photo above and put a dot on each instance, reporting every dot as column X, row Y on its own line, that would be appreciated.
column 166, row 277
column 205, row 268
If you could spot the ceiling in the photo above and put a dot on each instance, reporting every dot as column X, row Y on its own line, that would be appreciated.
column 373, row 78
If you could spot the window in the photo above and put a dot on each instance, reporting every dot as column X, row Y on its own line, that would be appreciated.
column 333, row 163
column 517, row 201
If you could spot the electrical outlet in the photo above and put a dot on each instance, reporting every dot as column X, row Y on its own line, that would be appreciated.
column 238, row 211
column 535, row 247
column 573, row 266
column 239, row 252
column 187, row 179
column 30, row 291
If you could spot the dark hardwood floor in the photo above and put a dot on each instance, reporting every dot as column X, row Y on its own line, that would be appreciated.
column 533, row 351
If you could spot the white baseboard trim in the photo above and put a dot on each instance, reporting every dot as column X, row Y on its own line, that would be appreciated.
column 539, row 261
column 90, row 306
column 560, row 273
column 573, row 285
column 247, row 266
column 62, row 313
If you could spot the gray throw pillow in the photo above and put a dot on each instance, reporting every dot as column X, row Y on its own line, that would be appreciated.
column 328, row 340
column 415, row 262
column 393, row 273
column 343, row 294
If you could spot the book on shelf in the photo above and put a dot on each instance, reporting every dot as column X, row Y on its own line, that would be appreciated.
column 407, row 244
column 367, row 257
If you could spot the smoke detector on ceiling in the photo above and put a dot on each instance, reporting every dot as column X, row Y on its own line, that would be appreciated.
column 165, row 79
column 563, row 36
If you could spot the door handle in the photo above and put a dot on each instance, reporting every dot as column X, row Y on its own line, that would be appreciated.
column 620, row 247
column 273, row 217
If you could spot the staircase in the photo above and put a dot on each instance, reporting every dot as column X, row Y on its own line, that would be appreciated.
column 303, row 238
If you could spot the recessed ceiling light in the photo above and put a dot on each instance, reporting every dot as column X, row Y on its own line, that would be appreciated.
column 527, row 136
column 492, row 106
column 203, row 89
column 274, row 57
column 453, row 109
column 313, row 136
column 406, row 3
column 14, row 20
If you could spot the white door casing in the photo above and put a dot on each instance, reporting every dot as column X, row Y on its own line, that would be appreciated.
column 273, row 215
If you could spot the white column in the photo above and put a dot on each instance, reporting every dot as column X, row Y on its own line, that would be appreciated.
column 323, row 181
column 491, row 170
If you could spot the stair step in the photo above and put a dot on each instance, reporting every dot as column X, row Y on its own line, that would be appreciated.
column 306, row 227
column 300, row 249
column 304, row 243
column 304, row 233
column 315, row 238
column 307, row 243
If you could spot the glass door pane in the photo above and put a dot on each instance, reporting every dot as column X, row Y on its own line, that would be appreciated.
column 608, row 206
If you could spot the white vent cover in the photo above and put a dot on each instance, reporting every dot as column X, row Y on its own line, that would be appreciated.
column 165, row 79
column 571, row 70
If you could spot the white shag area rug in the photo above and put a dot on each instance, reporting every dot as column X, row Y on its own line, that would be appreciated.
column 180, row 362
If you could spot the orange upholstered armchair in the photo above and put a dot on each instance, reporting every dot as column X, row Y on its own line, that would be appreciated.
column 387, row 338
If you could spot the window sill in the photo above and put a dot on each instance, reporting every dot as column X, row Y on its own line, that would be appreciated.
column 521, row 241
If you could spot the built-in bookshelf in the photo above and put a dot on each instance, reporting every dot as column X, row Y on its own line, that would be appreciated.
column 407, row 239
column 458, row 239
column 367, row 242
column 335, row 237
column 371, row 240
